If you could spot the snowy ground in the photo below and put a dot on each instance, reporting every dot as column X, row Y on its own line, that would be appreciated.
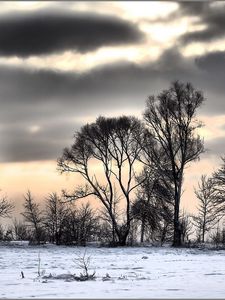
column 135, row 273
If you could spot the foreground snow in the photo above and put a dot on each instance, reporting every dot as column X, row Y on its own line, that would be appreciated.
column 134, row 273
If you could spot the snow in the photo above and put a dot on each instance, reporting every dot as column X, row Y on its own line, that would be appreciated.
column 139, row 272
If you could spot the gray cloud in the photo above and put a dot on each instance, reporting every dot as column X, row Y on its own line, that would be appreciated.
column 19, row 143
column 215, row 147
column 58, row 102
column 212, row 62
column 210, row 15
column 212, row 66
column 192, row 8
column 45, row 32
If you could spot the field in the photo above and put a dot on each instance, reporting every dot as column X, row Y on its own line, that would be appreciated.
column 141, row 272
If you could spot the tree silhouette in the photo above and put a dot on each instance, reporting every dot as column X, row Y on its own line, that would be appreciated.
column 6, row 207
column 153, row 205
column 172, row 123
column 207, row 217
column 114, row 145
column 55, row 215
column 33, row 216
column 218, row 179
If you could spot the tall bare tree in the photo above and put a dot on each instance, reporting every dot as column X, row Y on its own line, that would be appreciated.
column 112, row 144
column 33, row 215
column 172, row 124
column 207, row 217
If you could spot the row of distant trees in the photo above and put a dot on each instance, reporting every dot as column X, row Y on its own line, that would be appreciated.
column 57, row 222
column 72, row 223
column 135, row 170
column 62, row 222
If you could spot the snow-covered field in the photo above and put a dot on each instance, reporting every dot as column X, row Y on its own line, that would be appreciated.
column 143, row 272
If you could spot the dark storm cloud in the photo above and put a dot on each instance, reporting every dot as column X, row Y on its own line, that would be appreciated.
column 59, row 102
column 210, row 15
column 44, row 32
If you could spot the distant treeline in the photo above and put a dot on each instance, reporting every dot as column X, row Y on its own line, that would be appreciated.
column 135, row 170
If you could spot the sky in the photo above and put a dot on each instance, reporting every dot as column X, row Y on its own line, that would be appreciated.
column 62, row 64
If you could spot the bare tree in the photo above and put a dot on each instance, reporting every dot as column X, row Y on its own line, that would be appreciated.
column 186, row 222
column 113, row 144
column 143, row 209
column 72, row 224
column 87, row 223
column 172, row 123
column 218, row 179
column 6, row 207
column 153, row 204
column 83, row 262
column 55, row 215
column 217, row 236
column 207, row 217
column 33, row 216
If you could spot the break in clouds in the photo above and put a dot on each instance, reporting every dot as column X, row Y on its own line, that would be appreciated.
column 41, row 109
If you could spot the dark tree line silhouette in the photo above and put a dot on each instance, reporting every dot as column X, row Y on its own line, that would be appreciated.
column 135, row 170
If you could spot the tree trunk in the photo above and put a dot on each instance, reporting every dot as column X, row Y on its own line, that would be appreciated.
column 122, row 236
column 203, row 235
column 163, row 236
column 142, row 230
column 122, row 240
column 177, row 234
column 203, row 228
column 37, row 235
column 58, row 238
column 177, row 242
column 113, row 234
column 177, row 227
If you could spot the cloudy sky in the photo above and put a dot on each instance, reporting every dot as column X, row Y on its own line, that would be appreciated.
column 62, row 64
